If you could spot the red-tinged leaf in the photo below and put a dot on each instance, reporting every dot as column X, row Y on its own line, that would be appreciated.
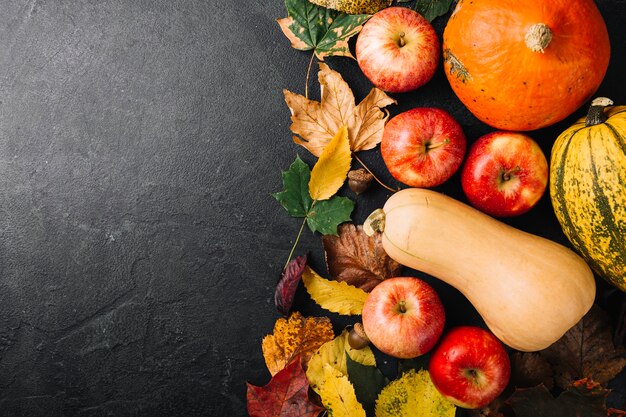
column 286, row 395
column 288, row 284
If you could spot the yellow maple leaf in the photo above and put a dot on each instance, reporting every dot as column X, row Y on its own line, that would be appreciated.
column 413, row 394
column 294, row 336
column 338, row 395
column 334, row 353
column 317, row 122
column 334, row 296
column 330, row 171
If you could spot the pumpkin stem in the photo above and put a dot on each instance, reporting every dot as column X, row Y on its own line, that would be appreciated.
column 538, row 37
column 596, row 114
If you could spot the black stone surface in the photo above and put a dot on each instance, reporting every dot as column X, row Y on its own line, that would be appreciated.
column 139, row 245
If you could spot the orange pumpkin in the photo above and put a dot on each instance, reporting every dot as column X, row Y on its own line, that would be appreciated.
column 523, row 65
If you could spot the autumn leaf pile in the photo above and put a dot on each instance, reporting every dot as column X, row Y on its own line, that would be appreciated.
column 314, row 371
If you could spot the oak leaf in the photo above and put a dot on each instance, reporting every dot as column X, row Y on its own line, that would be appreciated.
column 286, row 395
column 338, row 394
column 334, row 296
column 413, row 394
column 336, row 353
column 295, row 336
column 288, row 284
column 316, row 123
column 358, row 259
column 354, row 6
column 586, row 351
column 331, row 169
column 326, row 32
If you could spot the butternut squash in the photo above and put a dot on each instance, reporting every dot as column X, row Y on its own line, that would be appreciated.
column 529, row 290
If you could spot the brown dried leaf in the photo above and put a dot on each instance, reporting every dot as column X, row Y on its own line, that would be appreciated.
column 586, row 351
column 357, row 259
column 295, row 336
column 316, row 123
column 530, row 369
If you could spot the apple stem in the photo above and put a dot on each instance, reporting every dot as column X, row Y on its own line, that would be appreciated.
column 375, row 177
column 402, row 307
column 401, row 41
column 430, row 145
column 506, row 175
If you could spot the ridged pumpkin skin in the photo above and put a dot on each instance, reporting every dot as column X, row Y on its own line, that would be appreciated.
column 506, row 84
column 588, row 192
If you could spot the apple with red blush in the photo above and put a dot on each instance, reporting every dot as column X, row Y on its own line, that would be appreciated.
column 505, row 174
column 403, row 317
column 423, row 147
column 470, row 367
column 398, row 50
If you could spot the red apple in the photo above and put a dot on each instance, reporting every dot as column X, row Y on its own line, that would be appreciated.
column 423, row 147
column 403, row 317
column 470, row 367
column 398, row 50
column 505, row 174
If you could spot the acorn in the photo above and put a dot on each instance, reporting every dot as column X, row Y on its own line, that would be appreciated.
column 359, row 180
column 357, row 339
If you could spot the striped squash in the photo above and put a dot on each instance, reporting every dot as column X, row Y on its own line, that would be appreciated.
column 588, row 188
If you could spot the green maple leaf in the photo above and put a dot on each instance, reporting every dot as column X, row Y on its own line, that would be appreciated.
column 325, row 31
column 432, row 9
column 321, row 216
column 295, row 197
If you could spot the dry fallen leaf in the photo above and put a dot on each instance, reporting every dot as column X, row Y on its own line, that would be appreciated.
column 586, row 351
column 529, row 369
column 295, row 336
column 358, row 259
column 317, row 122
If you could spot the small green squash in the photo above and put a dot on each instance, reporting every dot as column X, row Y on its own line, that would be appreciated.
column 588, row 188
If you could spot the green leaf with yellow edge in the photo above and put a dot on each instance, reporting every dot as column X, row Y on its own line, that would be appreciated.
column 334, row 296
column 331, row 170
column 354, row 6
column 325, row 31
column 338, row 395
column 413, row 394
column 335, row 353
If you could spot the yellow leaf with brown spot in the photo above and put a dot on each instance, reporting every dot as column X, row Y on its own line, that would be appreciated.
column 295, row 336
column 317, row 122
column 354, row 6
column 334, row 353
column 331, row 170
column 413, row 394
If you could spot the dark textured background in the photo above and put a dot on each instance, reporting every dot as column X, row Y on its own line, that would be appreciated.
column 139, row 244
